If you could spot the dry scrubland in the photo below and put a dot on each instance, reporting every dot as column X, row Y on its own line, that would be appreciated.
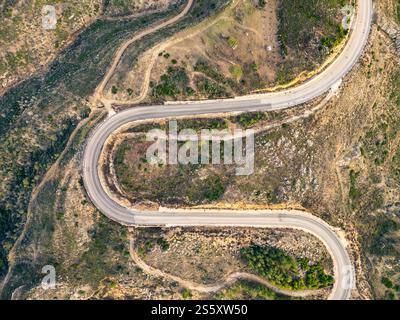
column 39, row 115
column 26, row 48
column 211, row 255
column 346, row 173
column 118, row 8
column 391, row 8
column 253, row 45
column 60, row 226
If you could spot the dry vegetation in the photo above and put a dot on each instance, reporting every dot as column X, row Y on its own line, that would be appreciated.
column 91, row 253
column 390, row 8
column 245, row 48
column 347, row 173
column 341, row 164
column 38, row 116
column 208, row 256
column 25, row 47
column 60, row 227
column 118, row 8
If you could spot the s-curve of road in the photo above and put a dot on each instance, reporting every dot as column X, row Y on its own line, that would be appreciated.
column 321, row 84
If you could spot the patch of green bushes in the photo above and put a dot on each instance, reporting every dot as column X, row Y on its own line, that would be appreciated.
column 213, row 73
column 210, row 88
column 172, row 84
column 382, row 241
column 249, row 119
column 210, row 189
column 284, row 270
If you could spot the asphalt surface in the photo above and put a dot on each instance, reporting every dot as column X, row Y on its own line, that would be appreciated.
column 322, row 83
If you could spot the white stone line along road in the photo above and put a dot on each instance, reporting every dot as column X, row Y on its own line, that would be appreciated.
column 344, row 273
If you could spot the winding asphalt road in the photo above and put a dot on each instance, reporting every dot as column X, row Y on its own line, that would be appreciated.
column 323, row 83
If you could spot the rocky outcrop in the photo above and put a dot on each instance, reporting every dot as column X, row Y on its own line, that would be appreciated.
column 392, row 30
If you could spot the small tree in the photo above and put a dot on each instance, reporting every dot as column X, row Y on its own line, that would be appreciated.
column 232, row 42
column 262, row 3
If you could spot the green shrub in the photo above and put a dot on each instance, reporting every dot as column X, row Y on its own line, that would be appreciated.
column 232, row 42
column 284, row 270
column 163, row 244
column 186, row 294
column 262, row 3
column 236, row 72
column 387, row 282
column 172, row 84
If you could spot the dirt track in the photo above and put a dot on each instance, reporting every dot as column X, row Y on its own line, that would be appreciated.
column 213, row 288
column 98, row 95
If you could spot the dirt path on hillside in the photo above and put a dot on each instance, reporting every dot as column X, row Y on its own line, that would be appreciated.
column 213, row 288
column 99, row 90
column 159, row 48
